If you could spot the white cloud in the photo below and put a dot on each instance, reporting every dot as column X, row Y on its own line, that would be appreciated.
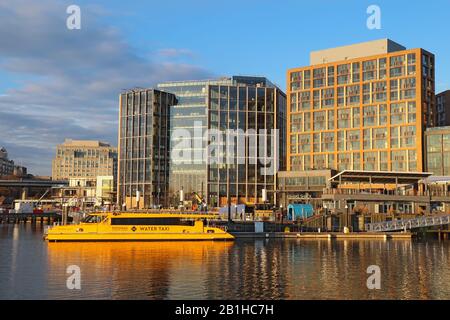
column 175, row 53
column 76, row 75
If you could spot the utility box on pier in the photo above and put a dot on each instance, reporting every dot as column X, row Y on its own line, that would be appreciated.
column 332, row 223
column 259, row 226
column 23, row 207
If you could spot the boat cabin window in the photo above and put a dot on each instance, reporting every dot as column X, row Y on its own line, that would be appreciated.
column 92, row 219
column 151, row 221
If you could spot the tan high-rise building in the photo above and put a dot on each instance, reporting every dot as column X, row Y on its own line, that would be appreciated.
column 84, row 159
column 361, row 107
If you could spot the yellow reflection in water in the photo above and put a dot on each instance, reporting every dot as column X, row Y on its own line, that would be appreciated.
column 134, row 269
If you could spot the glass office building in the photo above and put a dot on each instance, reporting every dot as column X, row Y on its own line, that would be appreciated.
column 144, row 152
column 443, row 109
column 437, row 144
column 199, row 108
column 188, row 115
column 251, row 115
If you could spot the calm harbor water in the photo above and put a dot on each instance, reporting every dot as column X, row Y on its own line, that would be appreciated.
column 246, row 269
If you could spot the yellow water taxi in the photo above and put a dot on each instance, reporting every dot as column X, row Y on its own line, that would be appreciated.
column 128, row 226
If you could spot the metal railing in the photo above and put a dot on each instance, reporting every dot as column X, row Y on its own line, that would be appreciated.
column 408, row 224
column 414, row 193
column 336, row 191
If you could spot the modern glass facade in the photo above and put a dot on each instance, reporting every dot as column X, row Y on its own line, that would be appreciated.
column 437, row 142
column 196, row 110
column 250, row 114
column 144, row 148
column 366, row 113
column 443, row 109
column 189, row 114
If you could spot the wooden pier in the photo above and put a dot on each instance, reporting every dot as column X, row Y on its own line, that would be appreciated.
column 43, row 218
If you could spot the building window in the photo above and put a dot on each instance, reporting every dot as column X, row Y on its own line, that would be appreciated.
column 369, row 70
column 304, row 143
column 408, row 136
column 327, row 142
column 379, row 136
column 319, row 161
column 344, row 161
column 319, row 77
column 353, row 140
column 319, row 121
column 343, row 117
column 304, row 100
column 397, row 66
column 343, row 74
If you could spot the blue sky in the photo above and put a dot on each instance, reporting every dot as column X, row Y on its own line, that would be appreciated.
column 56, row 83
column 267, row 37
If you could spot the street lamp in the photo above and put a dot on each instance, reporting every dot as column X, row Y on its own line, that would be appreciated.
column 159, row 195
column 326, row 214
column 346, row 217
column 181, row 202
column 138, row 198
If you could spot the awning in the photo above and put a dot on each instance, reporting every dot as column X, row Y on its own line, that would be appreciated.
column 438, row 179
column 379, row 177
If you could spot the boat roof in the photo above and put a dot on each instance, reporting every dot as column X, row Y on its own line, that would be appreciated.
column 157, row 215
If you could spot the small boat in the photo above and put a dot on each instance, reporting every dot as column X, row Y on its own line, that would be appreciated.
column 128, row 226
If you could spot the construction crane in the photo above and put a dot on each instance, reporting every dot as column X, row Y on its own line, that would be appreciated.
column 201, row 202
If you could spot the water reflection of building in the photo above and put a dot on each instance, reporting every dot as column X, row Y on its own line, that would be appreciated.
column 338, row 269
column 254, row 269
column 251, row 269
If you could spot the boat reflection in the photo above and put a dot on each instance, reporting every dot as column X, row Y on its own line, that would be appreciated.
column 134, row 270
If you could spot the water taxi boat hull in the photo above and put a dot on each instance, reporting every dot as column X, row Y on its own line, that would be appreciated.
column 137, row 237
column 139, row 227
